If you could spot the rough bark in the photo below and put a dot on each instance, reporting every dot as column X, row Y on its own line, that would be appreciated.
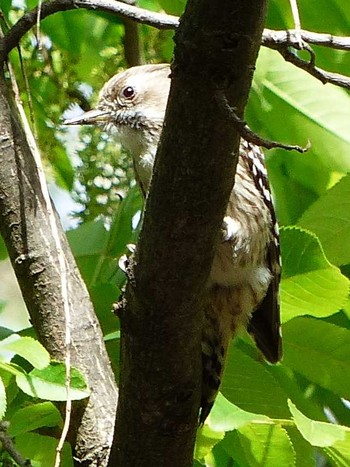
column 216, row 49
column 25, row 228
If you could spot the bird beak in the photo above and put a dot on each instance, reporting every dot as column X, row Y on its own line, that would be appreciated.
column 92, row 117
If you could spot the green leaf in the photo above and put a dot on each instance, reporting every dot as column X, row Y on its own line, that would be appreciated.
column 310, row 284
column 339, row 452
column 173, row 7
column 290, row 383
column 3, row 403
column 314, row 112
column 291, row 196
column 335, row 22
column 84, row 36
column 88, row 239
column 63, row 167
column 249, row 385
column 256, row 445
column 103, row 296
column 304, row 452
column 319, row 434
column 4, row 332
column 218, row 457
column 320, row 351
column 112, row 336
column 317, row 112
column 12, row 368
column 226, row 416
column 12, row 390
column 329, row 219
column 98, row 250
column 6, row 6
column 346, row 307
column 34, row 416
column 88, row 243
column 206, row 440
column 301, row 251
column 41, row 450
column 49, row 383
column 28, row 348
column 3, row 250
column 67, row 28
column 121, row 232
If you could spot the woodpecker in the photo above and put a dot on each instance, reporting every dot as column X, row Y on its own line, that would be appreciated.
column 243, row 285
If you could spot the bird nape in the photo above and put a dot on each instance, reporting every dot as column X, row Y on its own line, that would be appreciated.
column 243, row 285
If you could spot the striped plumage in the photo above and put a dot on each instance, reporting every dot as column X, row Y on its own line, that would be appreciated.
column 244, row 279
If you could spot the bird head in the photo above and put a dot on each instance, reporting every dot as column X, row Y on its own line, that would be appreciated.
column 134, row 99
column 131, row 107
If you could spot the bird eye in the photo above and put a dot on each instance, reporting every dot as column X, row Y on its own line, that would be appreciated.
column 128, row 92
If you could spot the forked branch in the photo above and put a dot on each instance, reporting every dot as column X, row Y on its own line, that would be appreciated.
column 285, row 42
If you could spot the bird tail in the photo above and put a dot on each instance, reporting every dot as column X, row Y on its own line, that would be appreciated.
column 218, row 330
column 212, row 368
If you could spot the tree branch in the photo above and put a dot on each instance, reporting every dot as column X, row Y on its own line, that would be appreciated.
column 285, row 41
column 276, row 39
column 192, row 180
column 8, row 445
column 26, row 229
column 270, row 38
column 318, row 73
column 133, row 47
column 281, row 41
column 28, row 20
column 249, row 135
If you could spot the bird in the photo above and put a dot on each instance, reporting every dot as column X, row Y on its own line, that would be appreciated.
column 243, row 284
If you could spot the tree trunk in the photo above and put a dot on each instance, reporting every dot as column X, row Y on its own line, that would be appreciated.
column 27, row 232
column 160, row 382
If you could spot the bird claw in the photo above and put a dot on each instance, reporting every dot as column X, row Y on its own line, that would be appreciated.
column 120, row 306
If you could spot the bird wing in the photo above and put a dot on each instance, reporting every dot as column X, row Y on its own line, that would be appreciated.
column 265, row 325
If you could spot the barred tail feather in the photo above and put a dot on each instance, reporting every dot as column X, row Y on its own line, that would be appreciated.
column 219, row 328
column 213, row 359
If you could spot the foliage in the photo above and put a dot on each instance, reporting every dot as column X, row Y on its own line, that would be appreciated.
column 24, row 415
column 267, row 415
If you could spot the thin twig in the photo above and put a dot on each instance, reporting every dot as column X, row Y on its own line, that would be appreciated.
column 296, row 39
column 38, row 20
column 133, row 47
column 285, row 41
column 23, row 25
column 297, row 25
column 29, row 94
column 249, row 135
column 277, row 40
column 322, row 75
column 8, row 446
column 271, row 38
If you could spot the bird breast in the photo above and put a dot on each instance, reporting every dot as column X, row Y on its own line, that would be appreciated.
column 240, row 257
column 142, row 145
